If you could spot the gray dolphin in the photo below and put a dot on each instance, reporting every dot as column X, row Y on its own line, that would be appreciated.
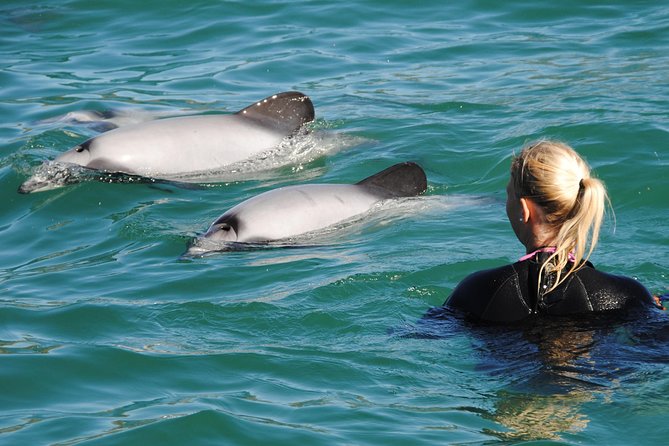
column 294, row 210
column 166, row 148
column 105, row 120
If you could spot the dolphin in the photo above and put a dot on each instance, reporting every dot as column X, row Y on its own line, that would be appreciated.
column 294, row 210
column 167, row 148
column 105, row 120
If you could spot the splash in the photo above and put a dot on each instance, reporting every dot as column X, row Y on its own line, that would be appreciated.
column 54, row 175
column 51, row 175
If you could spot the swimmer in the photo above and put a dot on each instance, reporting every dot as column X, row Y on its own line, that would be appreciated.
column 555, row 208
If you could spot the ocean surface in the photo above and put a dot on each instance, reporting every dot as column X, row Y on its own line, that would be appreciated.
column 108, row 336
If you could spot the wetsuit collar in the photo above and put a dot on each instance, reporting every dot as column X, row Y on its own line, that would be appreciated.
column 550, row 249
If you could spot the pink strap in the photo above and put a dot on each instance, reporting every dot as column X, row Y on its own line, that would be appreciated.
column 550, row 249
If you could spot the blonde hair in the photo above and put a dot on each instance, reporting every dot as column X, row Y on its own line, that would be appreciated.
column 556, row 178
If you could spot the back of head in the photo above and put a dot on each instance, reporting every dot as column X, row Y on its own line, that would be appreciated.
column 556, row 178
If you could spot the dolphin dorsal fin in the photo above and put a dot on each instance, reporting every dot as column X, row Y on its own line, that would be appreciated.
column 287, row 111
column 401, row 180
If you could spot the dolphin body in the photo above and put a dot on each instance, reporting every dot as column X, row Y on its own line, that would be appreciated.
column 167, row 148
column 294, row 210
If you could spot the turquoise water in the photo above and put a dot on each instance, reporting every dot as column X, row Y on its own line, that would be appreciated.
column 108, row 337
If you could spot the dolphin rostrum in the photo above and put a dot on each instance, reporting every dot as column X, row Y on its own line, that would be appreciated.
column 294, row 210
column 167, row 148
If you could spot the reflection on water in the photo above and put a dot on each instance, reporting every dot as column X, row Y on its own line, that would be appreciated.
column 551, row 368
column 564, row 383
column 535, row 417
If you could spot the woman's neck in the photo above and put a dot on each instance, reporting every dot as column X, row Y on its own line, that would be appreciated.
column 540, row 236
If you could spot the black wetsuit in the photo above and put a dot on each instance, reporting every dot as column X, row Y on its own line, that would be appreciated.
column 509, row 293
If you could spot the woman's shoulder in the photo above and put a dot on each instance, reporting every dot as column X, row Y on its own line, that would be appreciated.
column 492, row 294
column 610, row 291
column 492, row 277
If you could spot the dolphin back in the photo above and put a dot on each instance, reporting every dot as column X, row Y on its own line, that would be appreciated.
column 400, row 180
column 286, row 112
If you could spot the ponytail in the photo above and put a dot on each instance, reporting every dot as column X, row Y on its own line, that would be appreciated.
column 578, row 236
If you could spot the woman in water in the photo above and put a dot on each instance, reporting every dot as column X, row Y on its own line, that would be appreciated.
column 556, row 209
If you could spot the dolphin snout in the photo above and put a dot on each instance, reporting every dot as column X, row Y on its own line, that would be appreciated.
column 193, row 251
column 33, row 185
column 202, row 246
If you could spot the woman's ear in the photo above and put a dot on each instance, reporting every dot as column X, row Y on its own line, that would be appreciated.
column 531, row 211
column 525, row 210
